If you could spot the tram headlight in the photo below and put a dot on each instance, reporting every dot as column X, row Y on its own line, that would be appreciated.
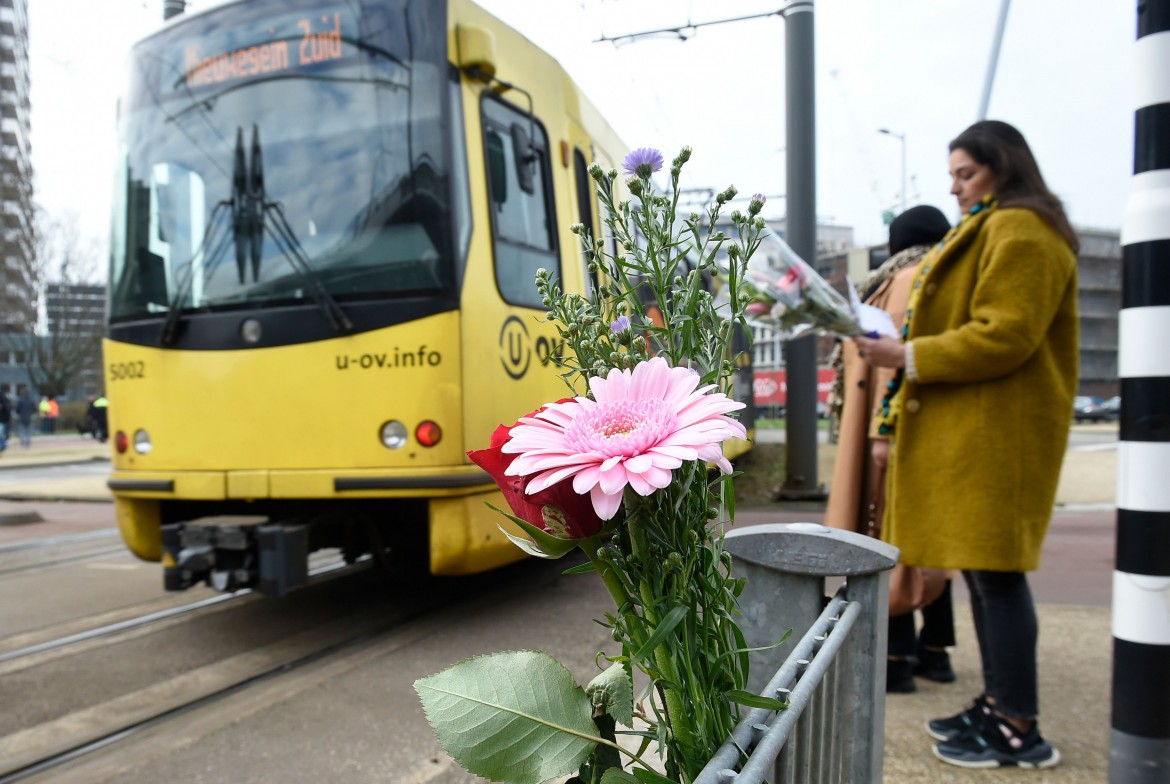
column 393, row 434
column 142, row 442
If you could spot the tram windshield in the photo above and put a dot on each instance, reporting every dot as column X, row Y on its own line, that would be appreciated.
column 275, row 148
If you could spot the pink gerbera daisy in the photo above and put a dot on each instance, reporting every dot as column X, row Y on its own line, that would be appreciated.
column 640, row 426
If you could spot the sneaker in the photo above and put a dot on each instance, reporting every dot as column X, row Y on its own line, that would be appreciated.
column 900, row 676
column 994, row 742
column 951, row 726
column 934, row 665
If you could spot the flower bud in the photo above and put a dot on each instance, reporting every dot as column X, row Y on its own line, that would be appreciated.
column 733, row 251
column 737, row 216
column 577, row 228
column 595, row 172
column 729, row 194
column 635, row 186
column 757, row 203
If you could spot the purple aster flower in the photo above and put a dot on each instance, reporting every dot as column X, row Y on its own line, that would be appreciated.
column 642, row 162
column 757, row 203
column 620, row 324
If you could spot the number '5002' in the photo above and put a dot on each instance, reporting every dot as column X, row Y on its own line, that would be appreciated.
column 124, row 370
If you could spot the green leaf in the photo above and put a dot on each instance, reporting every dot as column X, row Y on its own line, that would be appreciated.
column 665, row 627
column 584, row 568
column 618, row 776
column 751, row 700
column 542, row 544
column 613, row 692
column 650, row 777
column 515, row 716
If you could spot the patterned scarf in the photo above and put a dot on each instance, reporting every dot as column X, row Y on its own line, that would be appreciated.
column 891, row 405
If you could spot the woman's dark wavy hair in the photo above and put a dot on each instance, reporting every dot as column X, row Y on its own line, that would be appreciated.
column 1018, row 182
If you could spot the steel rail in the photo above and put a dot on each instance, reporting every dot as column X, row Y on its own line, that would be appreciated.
column 160, row 615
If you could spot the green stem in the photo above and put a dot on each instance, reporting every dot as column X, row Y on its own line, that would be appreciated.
column 673, row 702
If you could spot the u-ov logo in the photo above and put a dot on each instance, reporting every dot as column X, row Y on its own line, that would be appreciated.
column 515, row 353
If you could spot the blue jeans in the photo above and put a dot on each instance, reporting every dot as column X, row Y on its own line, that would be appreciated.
column 24, row 432
column 3, row 436
column 1007, row 628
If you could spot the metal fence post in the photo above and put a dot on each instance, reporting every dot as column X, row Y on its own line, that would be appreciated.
column 786, row 566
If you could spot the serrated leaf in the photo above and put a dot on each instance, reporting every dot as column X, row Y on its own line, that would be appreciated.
column 515, row 716
column 618, row 776
column 650, row 777
column 613, row 692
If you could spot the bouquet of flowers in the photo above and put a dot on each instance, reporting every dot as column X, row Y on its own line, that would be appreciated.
column 619, row 468
column 788, row 293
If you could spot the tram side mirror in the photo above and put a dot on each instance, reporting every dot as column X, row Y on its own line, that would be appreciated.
column 497, row 167
column 525, row 159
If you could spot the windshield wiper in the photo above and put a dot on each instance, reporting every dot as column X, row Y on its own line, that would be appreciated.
column 170, row 327
column 250, row 210
column 285, row 239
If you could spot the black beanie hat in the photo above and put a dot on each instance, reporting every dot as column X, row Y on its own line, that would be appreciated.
column 921, row 225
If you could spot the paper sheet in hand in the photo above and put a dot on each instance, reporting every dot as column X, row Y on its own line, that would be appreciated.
column 874, row 321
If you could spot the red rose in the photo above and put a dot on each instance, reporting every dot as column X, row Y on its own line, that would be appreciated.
column 558, row 510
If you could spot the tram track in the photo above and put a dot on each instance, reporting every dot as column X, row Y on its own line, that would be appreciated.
column 55, row 551
column 30, row 648
column 69, row 747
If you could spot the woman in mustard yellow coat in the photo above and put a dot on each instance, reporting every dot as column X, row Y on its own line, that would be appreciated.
column 978, row 416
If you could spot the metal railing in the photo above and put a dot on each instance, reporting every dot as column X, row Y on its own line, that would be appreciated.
column 832, row 678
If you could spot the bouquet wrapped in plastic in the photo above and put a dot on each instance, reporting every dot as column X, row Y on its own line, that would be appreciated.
column 789, row 294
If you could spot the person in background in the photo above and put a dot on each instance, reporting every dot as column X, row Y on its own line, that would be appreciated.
column 99, row 410
column 978, row 419
column 5, row 420
column 43, row 411
column 25, row 409
column 51, row 413
column 858, row 482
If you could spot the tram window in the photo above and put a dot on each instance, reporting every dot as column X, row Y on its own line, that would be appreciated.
column 522, row 215
column 585, row 189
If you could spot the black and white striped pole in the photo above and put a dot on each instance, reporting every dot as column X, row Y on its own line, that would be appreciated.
column 1140, row 739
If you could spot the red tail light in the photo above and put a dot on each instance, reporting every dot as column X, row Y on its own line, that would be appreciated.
column 428, row 433
column 121, row 442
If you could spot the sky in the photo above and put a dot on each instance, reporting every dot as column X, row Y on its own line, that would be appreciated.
column 915, row 67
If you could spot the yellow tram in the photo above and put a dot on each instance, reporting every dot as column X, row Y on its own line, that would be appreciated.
column 328, row 217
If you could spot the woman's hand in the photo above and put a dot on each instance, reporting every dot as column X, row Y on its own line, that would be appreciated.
column 879, row 452
column 882, row 351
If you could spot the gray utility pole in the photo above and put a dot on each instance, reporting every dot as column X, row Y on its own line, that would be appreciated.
column 1000, row 24
column 800, row 356
column 1139, row 741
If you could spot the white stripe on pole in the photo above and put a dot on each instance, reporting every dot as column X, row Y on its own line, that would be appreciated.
column 1145, row 213
column 1143, row 476
column 1138, row 329
column 1141, row 608
column 1151, row 64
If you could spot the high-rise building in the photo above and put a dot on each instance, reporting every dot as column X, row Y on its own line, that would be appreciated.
column 17, row 255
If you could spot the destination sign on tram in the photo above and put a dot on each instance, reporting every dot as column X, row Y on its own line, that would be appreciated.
column 306, row 42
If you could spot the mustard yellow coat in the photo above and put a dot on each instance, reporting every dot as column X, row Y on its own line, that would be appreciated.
column 982, row 431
